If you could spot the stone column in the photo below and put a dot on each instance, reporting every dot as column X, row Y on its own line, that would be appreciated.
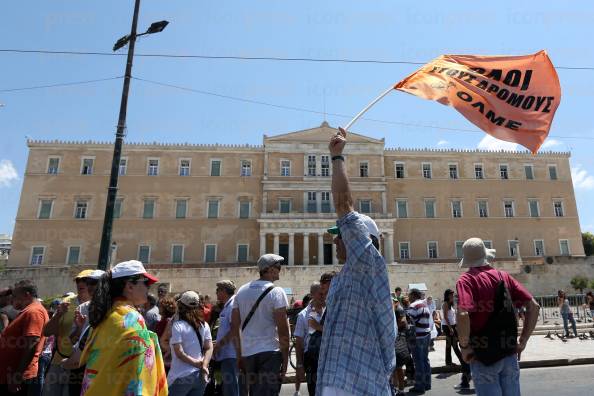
column 320, row 247
column 291, row 248
column 305, row 248
column 389, row 247
column 276, row 242
column 384, row 203
column 262, row 243
column 334, row 258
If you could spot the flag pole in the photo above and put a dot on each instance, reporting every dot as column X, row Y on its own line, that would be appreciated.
column 369, row 106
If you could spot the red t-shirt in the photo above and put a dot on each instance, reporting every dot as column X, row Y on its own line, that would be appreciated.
column 476, row 293
column 29, row 323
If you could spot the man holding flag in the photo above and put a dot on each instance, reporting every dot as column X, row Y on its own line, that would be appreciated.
column 357, row 352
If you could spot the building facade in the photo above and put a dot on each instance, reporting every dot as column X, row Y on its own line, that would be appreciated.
column 206, row 205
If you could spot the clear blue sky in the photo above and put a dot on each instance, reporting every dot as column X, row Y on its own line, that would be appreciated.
column 389, row 30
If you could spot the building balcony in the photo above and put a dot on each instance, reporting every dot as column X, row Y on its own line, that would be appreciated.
column 318, row 215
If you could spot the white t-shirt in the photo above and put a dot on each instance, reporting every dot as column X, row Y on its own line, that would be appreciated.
column 261, row 334
column 183, row 333
column 302, row 327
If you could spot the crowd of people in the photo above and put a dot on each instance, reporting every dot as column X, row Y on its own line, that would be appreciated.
column 353, row 336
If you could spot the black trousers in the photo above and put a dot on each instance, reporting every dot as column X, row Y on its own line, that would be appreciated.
column 452, row 343
column 310, row 366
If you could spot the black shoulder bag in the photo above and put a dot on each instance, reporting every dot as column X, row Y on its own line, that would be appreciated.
column 256, row 304
column 499, row 337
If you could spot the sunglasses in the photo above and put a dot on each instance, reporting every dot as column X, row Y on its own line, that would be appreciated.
column 135, row 281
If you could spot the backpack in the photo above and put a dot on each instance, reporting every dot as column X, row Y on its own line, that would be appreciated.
column 499, row 337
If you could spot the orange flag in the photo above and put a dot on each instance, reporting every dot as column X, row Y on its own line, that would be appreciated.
column 512, row 98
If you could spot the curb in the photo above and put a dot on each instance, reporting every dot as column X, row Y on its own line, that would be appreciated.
column 526, row 364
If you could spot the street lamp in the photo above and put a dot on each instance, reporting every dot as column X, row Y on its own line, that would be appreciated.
column 105, row 248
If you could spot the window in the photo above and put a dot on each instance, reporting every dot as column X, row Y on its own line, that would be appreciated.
column 533, row 208
column 45, row 208
column 430, row 208
column 244, row 209
column 148, row 211
column 242, row 253
column 246, row 168
column 210, row 253
column 80, row 210
column 184, row 167
column 564, row 247
column 488, row 244
column 508, row 208
column 404, row 250
column 312, row 205
column 365, row 206
column 456, row 209
column 529, row 172
column 311, row 165
column 87, row 166
column 399, row 170
column 513, row 248
column 483, row 208
column 503, row 172
column 213, row 208
column 215, row 167
column 326, row 207
column 364, row 169
column 459, row 252
column 553, row 172
column 123, row 166
column 181, row 208
column 53, row 165
column 432, row 249
column 117, row 208
column 558, row 205
column 153, row 167
column 285, row 168
column 284, row 205
column 37, row 255
column 402, row 208
column 539, row 247
column 73, row 255
column 177, row 254
column 478, row 171
column 144, row 254
column 453, row 171
column 426, row 170
column 325, row 165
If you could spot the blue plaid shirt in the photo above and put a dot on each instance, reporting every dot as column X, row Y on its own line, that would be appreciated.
column 357, row 351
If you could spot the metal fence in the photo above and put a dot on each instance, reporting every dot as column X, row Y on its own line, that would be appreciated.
column 549, row 309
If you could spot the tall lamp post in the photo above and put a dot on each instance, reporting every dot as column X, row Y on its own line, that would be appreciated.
column 105, row 248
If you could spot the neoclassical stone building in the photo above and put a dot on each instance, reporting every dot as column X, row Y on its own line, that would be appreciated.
column 206, row 205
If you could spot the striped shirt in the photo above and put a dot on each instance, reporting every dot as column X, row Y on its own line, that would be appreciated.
column 357, row 352
column 421, row 317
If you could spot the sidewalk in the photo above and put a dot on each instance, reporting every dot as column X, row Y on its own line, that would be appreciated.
column 540, row 352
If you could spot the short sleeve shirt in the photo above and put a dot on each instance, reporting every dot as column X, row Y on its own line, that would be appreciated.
column 261, row 334
column 476, row 293
column 29, row 323
column 184, row 334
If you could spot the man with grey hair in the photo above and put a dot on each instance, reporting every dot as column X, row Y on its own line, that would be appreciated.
column 261, row 329
column 307, row 363
column 224, row 349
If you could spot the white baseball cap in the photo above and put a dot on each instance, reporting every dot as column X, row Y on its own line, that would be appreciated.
column 131, row 268
column 190, row 299
column 268, row 260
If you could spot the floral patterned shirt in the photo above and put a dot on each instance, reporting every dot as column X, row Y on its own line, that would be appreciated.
column 123, row 357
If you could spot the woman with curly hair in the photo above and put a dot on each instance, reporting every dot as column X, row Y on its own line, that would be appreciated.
column 122, row 356
column 191, row 348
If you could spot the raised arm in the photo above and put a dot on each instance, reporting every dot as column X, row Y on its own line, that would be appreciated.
column 341, row 190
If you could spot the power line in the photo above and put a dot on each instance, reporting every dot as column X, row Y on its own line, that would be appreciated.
column 244, row 58
column 65, row 84
column 305, row 110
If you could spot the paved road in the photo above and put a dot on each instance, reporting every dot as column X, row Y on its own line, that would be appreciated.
column 565, row 381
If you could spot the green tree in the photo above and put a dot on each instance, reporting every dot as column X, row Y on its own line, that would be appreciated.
column 592, row 284
column 579, row 283
column 588, row 241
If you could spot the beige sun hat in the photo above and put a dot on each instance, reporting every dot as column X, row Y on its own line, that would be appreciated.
column 475, row 254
